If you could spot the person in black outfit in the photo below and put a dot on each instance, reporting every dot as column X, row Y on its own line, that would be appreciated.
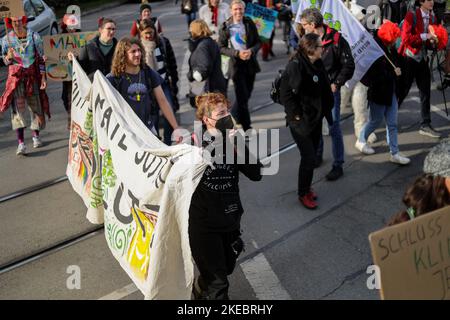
column 338, row 60
column 239, row 40
column 306, row 94
column 215, row 211
column 98, row 54
column 204, row 62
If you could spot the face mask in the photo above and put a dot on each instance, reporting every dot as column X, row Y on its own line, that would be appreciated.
column 224, row 123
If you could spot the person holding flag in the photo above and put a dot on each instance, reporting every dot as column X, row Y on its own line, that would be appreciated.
column 23, row 53
column 381, row 80
column 338, row 60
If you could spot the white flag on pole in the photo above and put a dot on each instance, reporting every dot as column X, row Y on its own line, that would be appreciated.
column 364, row 48
column 302, row 5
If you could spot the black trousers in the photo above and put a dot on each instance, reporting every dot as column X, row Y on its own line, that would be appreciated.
column 243, row 87
column 419, row 71
column 307, row 145
column 396, row 15
column 215, row 259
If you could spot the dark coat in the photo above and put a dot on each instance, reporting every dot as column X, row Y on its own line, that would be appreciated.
column 205, row 58
column 337, row 57
column 253, row 43
column 305, row 92
column 381, row 78
column 92, row 59
column 216, row 205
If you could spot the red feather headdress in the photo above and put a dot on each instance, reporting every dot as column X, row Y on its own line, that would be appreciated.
column 389, row 32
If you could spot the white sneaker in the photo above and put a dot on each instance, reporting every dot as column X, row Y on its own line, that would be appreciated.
column 37, row 142
column 21, row 149
column 400, row 159
column 364, row 147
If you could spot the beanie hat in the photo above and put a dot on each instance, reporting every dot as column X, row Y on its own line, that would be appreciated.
column 437, row 162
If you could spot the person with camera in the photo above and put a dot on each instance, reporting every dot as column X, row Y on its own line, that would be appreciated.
column 216, row 209
column 305, row 93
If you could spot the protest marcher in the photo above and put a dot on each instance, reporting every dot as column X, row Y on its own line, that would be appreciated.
column 145, row 12
column 160, row 57
column 381, row 79
column 216, row 209
column 266, row 47
column 338, row 60
column 295, row 34
column 439, row 10
column 23, row 53
column 98, row 53
column 139, row 85
column 214, row 13
column 204, row 62
column 306, row 95
column 239, row 40
column 416, row 40
column 430, row 191
column 66, row 95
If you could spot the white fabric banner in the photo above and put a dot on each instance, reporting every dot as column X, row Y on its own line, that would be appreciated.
column 364, row 48
column 143, row 190
column 305, row 4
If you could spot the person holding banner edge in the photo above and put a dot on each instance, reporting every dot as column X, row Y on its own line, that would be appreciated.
column 139, row 85
column 338, row 61
column 23, row 53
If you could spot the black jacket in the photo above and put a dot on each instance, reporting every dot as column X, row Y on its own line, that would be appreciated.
column 253, row 43
column 170, row 63
column 205, row 58
column 381, row 78
column 216, row 205
column 92, row 59
column 337, row 57
column 305, row 92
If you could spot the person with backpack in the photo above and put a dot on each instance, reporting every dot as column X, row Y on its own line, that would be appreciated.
column 23, row 53
column 305, row 93
column 338, row 61
column 145, row 12
column 159, row 56
column 139, row 85
column 416, row 39
column 189, row 8
column 382, row 79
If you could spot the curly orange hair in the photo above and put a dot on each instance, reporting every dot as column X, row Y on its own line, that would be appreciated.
column 207, row 102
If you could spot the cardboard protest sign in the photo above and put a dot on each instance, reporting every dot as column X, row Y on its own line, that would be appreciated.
column 56, row 49
column 11, row 8
column 414, row 257
column 263, row 18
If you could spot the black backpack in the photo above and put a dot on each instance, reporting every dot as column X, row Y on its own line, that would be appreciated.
column 275, row 90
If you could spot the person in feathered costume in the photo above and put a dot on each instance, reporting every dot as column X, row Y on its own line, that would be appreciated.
column 23, row 53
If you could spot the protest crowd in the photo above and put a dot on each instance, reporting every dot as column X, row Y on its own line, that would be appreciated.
column 224, row 45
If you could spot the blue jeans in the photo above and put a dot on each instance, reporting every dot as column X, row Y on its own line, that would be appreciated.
column 337, row 140
column 376, row 114
column 190, row 17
